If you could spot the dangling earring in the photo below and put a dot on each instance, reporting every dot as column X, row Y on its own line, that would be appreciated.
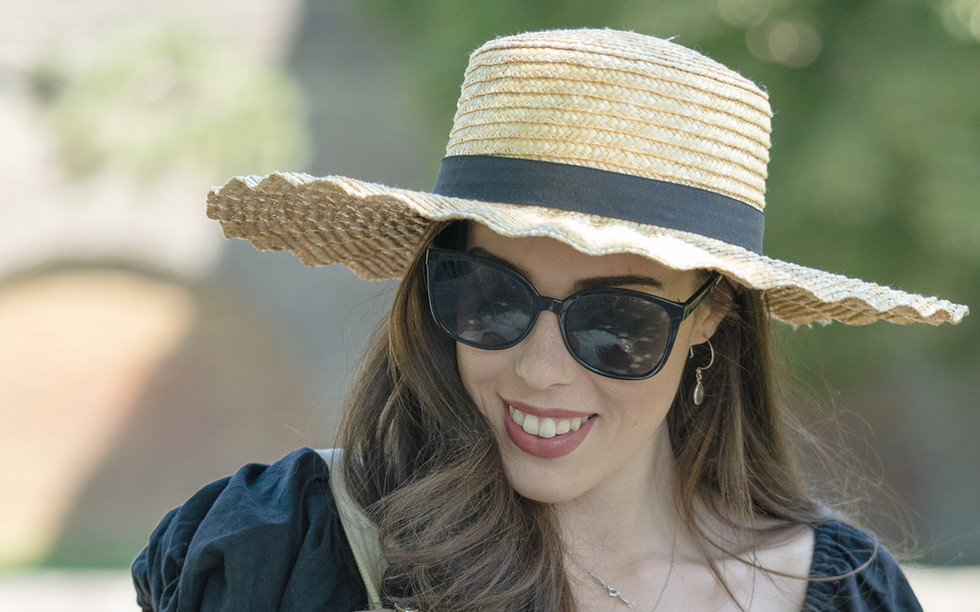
column 699, row 385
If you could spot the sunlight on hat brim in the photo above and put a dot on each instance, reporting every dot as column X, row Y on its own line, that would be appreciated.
column 376, row 231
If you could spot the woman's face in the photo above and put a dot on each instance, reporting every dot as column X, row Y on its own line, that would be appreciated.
column 613, row 426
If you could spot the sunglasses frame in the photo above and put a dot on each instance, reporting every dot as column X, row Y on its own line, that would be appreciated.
column 676, row 311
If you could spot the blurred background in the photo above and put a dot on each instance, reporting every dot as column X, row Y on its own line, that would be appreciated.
column 142, row 355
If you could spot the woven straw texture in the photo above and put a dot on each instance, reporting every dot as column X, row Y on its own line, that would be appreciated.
column 625, row 103
column 609, row 100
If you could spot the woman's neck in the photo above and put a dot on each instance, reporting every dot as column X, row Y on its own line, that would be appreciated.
column 627, row 533
column 630, row 517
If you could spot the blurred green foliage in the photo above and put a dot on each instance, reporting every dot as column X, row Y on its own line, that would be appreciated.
column 875, row 173
column 170, row 96
column 876, row 158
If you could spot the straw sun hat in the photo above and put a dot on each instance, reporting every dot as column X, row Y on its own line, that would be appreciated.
column 607, row 141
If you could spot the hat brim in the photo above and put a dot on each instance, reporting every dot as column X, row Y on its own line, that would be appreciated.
column 377, row 230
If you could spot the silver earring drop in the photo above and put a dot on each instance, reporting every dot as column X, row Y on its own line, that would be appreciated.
column 699, row 385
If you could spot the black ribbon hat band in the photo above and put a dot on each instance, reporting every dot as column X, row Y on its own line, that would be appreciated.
column 601, row 192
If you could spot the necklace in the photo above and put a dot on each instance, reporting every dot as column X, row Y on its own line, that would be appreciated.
column 614, row 592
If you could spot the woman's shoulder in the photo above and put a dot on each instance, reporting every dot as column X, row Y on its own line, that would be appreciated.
column 852, row 570
column 267, row 537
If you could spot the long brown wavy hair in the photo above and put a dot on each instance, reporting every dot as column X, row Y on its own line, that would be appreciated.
column 422, row 461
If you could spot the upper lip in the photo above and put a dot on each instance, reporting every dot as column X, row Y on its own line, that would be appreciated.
column 550, row 413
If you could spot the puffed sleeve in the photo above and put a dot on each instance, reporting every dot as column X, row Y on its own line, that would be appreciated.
column 852, row 572
column 267, row 538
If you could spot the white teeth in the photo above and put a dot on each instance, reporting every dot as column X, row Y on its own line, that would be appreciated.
column 547, row 428
column 531, row 424
column 544, row 427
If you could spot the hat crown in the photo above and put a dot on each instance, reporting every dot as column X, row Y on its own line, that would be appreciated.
column 616, row 101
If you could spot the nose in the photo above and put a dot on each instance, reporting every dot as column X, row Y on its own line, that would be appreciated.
column 542, row 360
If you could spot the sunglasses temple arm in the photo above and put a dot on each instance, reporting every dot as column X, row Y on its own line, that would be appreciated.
column 696, row 299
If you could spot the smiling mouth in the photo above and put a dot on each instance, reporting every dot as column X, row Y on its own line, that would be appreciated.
column 545, row 427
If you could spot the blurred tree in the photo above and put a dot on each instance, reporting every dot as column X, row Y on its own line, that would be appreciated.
column 874, row 167
column 874, row 174
column 171, row 96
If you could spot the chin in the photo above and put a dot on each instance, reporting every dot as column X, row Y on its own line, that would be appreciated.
column 544, row 495
column 546, row 488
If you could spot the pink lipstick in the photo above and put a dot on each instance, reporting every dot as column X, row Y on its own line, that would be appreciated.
column 545, row 433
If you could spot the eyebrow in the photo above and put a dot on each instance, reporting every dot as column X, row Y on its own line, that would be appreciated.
column 584, row 284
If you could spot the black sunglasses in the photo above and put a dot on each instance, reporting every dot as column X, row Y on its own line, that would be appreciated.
column 618, row 333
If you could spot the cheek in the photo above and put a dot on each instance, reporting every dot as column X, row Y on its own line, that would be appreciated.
column 478, row 369
column 655, row 394
column 464, row 363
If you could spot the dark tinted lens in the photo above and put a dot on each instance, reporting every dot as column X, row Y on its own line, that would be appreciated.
column 621, row 335
column 479, row 304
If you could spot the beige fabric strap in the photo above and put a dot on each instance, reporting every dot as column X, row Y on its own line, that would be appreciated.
column 361, row 532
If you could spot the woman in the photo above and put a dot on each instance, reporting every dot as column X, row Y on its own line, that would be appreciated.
column 570, row 405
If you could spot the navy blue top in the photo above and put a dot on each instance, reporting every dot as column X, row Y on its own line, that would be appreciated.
column 269, row 538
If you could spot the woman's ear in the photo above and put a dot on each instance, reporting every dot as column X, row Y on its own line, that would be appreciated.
column 710, row 313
